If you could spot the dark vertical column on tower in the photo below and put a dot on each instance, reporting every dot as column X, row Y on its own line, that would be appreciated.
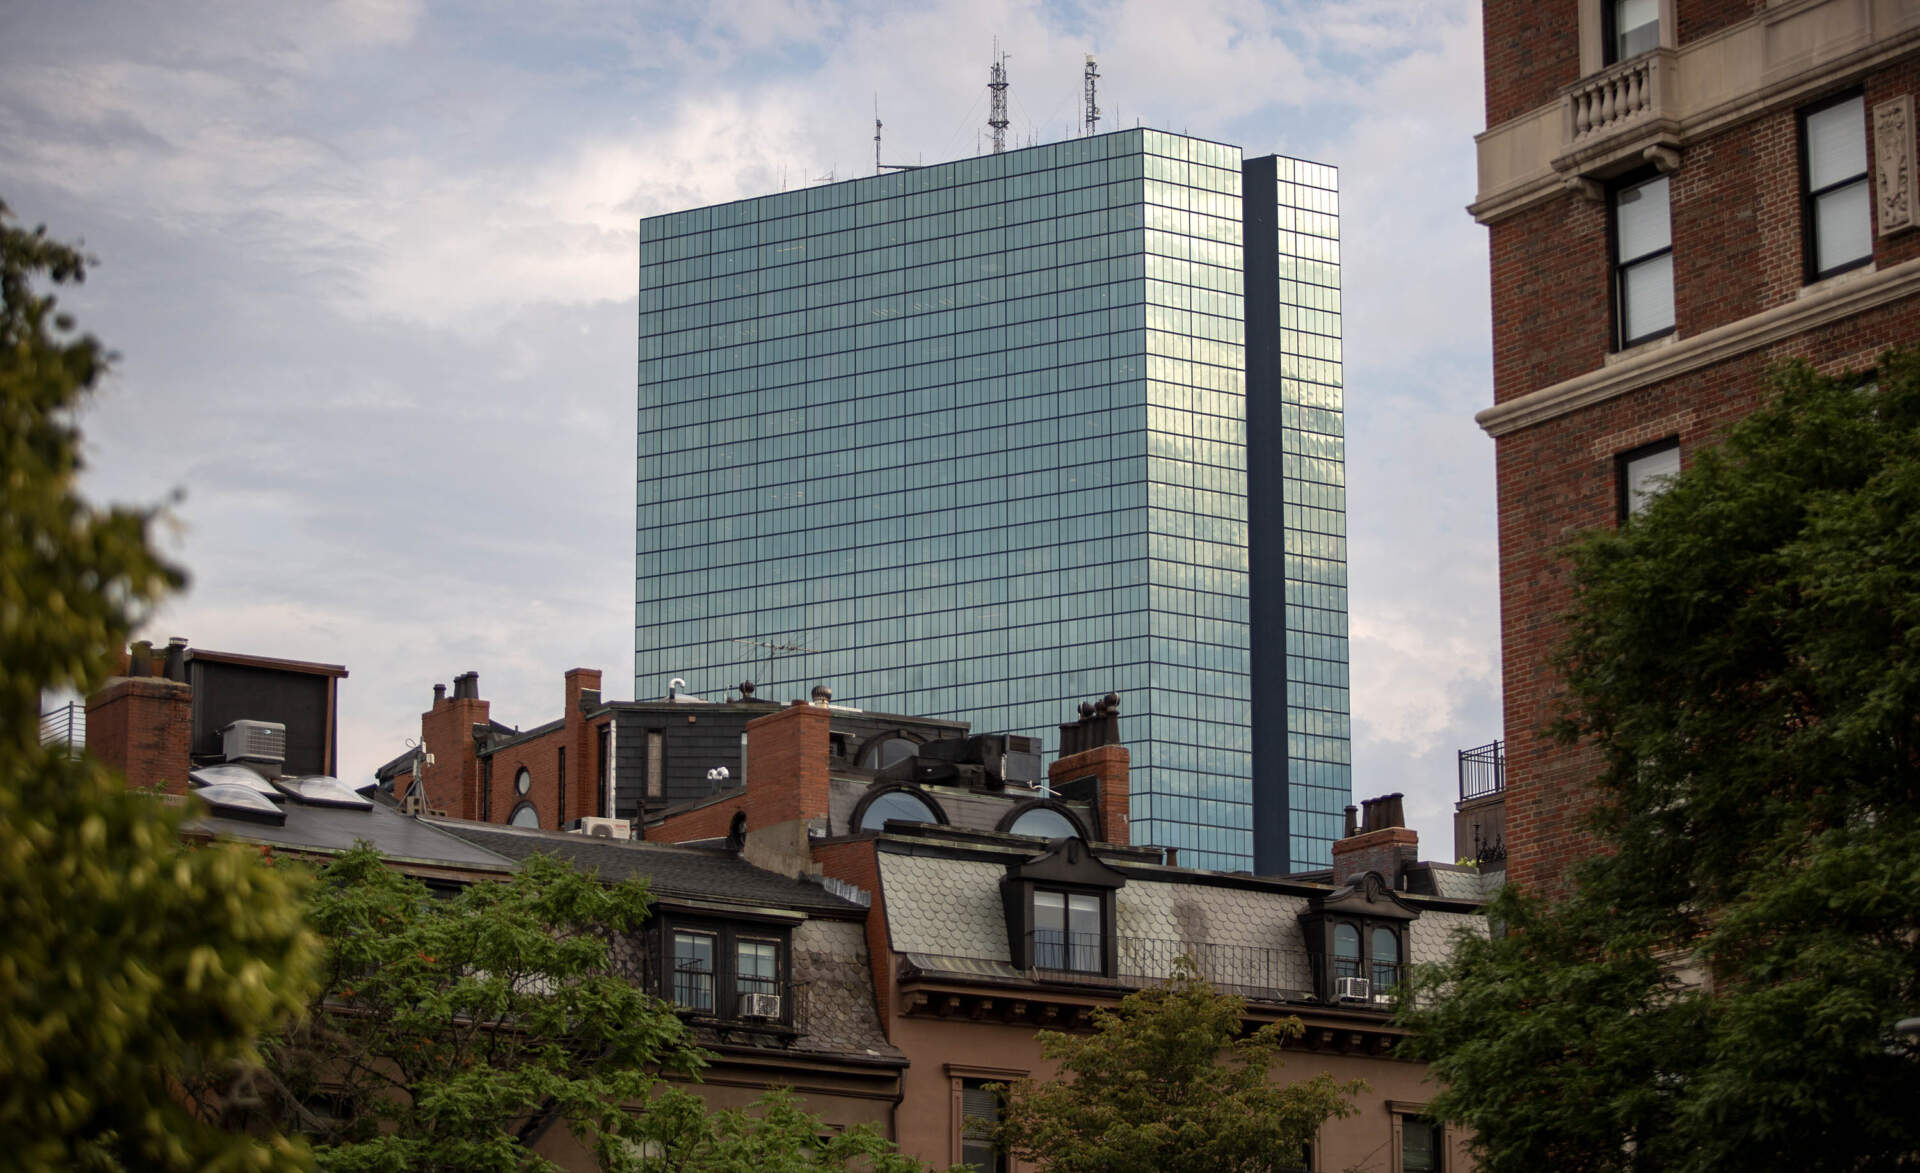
column 1266, row 545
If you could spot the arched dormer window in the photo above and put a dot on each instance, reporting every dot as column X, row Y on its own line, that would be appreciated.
column 886, row 749
column 1043, row 819
column 524, row 815
column 906, row 803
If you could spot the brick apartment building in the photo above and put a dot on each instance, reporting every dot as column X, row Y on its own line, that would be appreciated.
column 1679, row 194
column 998, row 906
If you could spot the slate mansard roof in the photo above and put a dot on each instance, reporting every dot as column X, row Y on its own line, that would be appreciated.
column 946, row 917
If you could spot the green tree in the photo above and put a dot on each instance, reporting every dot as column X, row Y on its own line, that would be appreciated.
column 128, row 962
column 1166, row 1083
column 446, row 1025
column 777, row 1136
column 1719, row 989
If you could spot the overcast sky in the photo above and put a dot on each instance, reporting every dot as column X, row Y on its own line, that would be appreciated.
column 370, row 268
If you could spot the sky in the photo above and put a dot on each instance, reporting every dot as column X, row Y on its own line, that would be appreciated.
column 370, row 269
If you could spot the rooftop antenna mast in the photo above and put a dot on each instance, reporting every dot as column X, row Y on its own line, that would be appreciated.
column 997, row 84
column 878, row 166
column 1093, row 108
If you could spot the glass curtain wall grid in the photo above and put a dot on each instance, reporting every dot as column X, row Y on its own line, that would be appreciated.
column 970, row 441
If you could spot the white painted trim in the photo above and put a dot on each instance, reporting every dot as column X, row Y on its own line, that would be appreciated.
column 1826, row 303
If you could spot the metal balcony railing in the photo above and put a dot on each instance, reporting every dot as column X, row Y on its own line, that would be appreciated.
column 1249, row 971
column 66, row 725
column 1483, row 770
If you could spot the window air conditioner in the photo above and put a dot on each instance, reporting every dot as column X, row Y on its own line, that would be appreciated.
column 759, row 1005
column 258, row 741
column 1352, row 989
column 596, row 828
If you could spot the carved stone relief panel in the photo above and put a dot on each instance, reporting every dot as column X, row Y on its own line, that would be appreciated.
column 1893, row 148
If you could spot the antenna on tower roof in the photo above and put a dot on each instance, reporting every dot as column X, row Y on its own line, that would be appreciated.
column 876, row 134
column 1093, row 108
column 997, row 85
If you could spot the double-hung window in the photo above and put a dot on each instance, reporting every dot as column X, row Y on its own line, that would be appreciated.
column 1066, row 931
column 720, row 971
column 1644, row 472
column 1836, row 206
column 693, row 971
column 1632, row 27
column 1642, row 261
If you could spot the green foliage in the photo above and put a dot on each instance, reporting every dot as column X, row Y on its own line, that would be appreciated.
column 128, row 962
column 1166, row 1084
column 1745, row 658
column 776, row 1137
column 445, row 1026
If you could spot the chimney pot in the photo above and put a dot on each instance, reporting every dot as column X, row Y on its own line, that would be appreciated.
column 439, row 695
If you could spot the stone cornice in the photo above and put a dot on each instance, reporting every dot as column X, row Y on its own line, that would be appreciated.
column 1845, row 297
column 1778, row 57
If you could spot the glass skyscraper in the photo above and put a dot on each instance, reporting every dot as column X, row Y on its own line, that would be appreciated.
column 989, row 438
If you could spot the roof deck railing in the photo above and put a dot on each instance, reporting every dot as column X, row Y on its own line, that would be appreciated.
column 1483, row 770
column 66, row 725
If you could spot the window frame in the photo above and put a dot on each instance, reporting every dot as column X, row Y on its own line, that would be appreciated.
column 1619, row 266
column 727, row 994
column 1622, row 462
column 880, row 790
column 1070, row 868
column 959, row 1076
column 1610, row 32
column 527, row 806
column 1365, row 905
column 1014, row 815
column 1402, row 1111
column 1809, row 197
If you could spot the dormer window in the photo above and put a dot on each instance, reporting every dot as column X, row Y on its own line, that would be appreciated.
column 1043, row 820
column 1356, row 938
column 1060, row 911
column 1066, row 931
column 735, row 973
column 906, row 803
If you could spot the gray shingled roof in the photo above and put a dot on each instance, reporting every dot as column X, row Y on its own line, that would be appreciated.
column 328, row 829
column 671, row 870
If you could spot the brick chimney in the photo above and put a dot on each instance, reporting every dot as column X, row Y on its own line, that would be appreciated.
column 143, row 726
column 1102, row 771
column 452, row 783
column 1382, row 843
column 578, row 796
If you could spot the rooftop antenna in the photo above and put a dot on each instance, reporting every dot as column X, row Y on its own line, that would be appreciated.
column 878, row 166
column 1093, row 108
column 997, row 84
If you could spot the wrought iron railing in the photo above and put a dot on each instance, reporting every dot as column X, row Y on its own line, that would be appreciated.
column 1250, row 971
column 66, row 725
column 1483, row 770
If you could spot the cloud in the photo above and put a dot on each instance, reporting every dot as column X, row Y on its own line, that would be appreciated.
column 371, row 267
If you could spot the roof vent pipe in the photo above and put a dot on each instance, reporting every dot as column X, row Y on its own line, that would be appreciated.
column 674, row 686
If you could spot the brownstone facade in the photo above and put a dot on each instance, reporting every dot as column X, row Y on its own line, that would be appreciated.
column 1719, row 113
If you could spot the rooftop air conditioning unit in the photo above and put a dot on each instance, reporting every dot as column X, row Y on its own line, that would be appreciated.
column 759, row 1005
column 595, row 828
column 1352, row 989
column 264, row 742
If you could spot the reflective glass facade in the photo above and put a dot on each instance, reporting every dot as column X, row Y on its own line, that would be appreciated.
column 972, row 441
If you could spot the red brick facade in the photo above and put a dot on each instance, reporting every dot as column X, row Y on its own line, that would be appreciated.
column 1736, row 213
column 562, row 765
column 1111, row 767
column 1532, row 47
column 143, row 727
